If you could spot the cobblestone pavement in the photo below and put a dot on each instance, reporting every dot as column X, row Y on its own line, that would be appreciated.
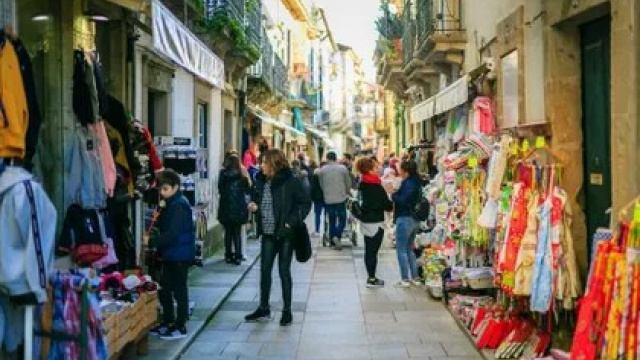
column 335, row 317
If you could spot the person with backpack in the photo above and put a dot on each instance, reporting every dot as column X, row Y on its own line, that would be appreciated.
column 405, row 200
column 234, row 187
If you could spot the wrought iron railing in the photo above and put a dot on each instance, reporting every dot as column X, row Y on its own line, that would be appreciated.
column 438, row 16
column 280, row 81
column 264, row 68
column 235, row 8
column 425, row 23
column 408, row 38
column 254, row 25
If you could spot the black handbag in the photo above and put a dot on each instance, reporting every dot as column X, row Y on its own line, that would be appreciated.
column 355, row 207
column 302, row 243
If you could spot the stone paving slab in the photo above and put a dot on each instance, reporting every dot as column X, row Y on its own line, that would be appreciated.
column 335, row 317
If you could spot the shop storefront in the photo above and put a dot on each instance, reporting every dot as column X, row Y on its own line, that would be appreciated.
column 116, row 100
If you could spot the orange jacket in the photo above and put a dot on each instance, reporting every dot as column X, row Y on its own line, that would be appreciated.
column 14, row 113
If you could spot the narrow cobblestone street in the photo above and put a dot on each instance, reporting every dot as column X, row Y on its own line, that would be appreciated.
column 335, row 317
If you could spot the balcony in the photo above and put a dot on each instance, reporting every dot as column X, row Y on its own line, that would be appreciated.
column 389, row 57
column 233, row 29
column 434, row 38
column 280, row 78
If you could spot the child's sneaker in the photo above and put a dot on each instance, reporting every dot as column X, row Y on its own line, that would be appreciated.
column 287, row 318
column 417, row 282
column 174, row 333
column 403, row 284
column 161, row 328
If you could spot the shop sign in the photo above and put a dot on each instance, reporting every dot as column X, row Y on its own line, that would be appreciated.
column 174, row 40
column 172, row 141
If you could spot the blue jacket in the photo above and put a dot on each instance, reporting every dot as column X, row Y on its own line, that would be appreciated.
column 406, row 198
column 176, row 238
column 83, row 173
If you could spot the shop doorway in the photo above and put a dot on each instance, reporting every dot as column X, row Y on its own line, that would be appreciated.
column 596, row 99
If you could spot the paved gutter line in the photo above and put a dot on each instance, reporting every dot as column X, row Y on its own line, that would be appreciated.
column 216, row 308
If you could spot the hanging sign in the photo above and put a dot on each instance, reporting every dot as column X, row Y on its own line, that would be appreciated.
column 540, row 142
column 636, row 213
column 525, row 145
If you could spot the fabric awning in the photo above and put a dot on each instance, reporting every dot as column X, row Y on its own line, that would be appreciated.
column 448, row 98
column 292, row 130
column 423, row 111
column 452, row 96
column 173, row 39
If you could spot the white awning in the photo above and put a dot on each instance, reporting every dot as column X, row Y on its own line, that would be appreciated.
column 423, row 111
column 452, row 96
column 448, row 98
column 173, row 39
column 292, row 130
column 318, row 133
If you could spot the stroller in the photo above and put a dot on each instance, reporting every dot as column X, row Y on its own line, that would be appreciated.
column 350, row 230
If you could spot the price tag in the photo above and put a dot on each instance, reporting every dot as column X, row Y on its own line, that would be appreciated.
column 525, row 145
column 636, row 213
column 472, row 162
column 540, row 142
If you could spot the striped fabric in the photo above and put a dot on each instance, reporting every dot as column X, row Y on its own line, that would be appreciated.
column 267, row 213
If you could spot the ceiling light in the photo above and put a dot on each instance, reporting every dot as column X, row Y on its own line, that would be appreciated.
column 40, row 17
column 96, row 17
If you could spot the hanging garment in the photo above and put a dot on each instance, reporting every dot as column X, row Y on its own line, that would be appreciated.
column 527, row 251
column 14, row 111
column 118, row 150
column 569, row 286
column 484, row 115
column 81, row 93
column 28, row 223
column 68, row 296
column 116, row 116
column 35, row 118
column 146, row 161
column 541, row 291
column 85, row 184
column 83, row 235
column 90, row 79
column 106, row 157
column 517, row 227
column 103, row 96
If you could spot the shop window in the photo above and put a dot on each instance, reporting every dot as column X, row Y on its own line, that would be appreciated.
column 510, row 86
column 157, row 113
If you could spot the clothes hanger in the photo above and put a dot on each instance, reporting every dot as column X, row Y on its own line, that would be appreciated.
column 556, row 158
column 624, row 212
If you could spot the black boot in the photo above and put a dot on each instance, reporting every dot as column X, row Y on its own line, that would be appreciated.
column 259, row 315
column 287, row 318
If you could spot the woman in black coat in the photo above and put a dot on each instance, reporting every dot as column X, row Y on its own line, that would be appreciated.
column 234, row 188
column 374, row 203
column 282, row 205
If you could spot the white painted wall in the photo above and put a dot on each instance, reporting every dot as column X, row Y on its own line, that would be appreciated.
column 481, row 20
column 183, row 104
column 215, row 150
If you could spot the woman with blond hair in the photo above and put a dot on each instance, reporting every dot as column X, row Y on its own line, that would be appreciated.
column 281, row 204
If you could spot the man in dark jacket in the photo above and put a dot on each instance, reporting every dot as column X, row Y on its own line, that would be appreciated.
column 175, row 241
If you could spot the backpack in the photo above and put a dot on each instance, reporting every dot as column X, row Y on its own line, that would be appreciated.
column 421, row 209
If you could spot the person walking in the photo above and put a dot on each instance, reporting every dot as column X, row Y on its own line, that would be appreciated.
column 234, row 188
column 374, row 203
column 281, row 205
column 318, row 200
column 404, row 200
column 335, row 182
